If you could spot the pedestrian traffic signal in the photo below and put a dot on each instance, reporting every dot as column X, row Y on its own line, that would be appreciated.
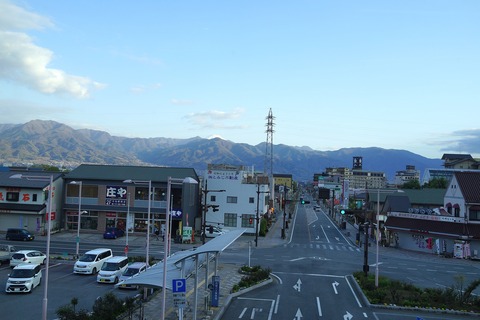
column 250, row 220
column 342, row 211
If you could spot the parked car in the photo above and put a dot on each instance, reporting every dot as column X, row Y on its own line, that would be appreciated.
column 19, row 234
column 132, row 270
column 112, row 269
column 27, row 256
column 92, row 261
column 113, row 233
column 24, row 278
column 6, row 252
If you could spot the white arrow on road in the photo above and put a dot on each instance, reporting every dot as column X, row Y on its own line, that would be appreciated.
column 347, row 316
column 298, row 315
column 337, row 238
column 298, row 285
column 335, row 285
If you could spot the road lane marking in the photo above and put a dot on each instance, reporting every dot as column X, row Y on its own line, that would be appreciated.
column 319, row 307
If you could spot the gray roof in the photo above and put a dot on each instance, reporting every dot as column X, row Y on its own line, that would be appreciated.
column 153, row 277
column 42, row 182
column 121, row 172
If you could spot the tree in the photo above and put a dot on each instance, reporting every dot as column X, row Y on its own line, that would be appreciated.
column 412, row 184
column 436, row 183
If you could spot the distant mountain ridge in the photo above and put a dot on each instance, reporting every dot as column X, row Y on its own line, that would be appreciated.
column 50, row 142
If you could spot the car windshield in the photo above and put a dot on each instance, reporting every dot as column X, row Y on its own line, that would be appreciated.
column 87, row 258
column 130, row 272
column 107, row 266
column 22, row 273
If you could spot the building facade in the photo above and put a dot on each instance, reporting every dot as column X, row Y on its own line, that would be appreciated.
column 244, row 199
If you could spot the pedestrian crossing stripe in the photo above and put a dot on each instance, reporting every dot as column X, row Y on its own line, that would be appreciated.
column 324, row 247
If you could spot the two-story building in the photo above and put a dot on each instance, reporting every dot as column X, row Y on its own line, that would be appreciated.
column 241, row 195
column 24, row 200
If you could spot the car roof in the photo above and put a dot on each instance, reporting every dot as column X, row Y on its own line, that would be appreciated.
column 95, row 251
column 26, row 251
column 137, row 264
column 26, row 266
column 116, row 259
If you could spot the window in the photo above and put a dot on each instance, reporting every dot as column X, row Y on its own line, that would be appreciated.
column 231, row 199
column 474, row 215
column 248, row 220
column 34, row 197
column 230, row 220
column 251, row 200
column 213, row 198
column 13, row 196
column 88, row 191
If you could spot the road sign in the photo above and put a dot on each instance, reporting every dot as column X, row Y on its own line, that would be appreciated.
column 179, row 288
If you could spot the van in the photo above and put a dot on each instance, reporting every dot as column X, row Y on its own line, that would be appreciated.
column 132, row 270
column 24, row 278
column 112, row 270
column 92, row 261
column 19, row 234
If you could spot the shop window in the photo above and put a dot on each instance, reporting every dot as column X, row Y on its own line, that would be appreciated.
column 230, row 220
column 248, row 220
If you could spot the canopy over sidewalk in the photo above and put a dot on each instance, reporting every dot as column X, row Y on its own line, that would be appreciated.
column 181, row 264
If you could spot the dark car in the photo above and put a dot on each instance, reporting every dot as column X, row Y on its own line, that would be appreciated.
column 19, row 234
column 113, row 233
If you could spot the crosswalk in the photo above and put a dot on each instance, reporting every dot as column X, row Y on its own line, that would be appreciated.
column 324, row 246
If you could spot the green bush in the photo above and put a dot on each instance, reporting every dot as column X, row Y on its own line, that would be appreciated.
column 394, row 292
column 253, row 276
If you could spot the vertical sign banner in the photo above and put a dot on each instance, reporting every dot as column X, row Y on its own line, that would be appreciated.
column 215, row 290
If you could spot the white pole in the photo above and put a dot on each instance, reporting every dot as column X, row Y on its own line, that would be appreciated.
column 80, row 183
column 147, row 254
column 378, row 235
column 127, row 221
column 249, row 250
column 165, row 251
column 47, row 263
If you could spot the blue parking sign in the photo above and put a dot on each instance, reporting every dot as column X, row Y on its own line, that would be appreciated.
column 179, row 285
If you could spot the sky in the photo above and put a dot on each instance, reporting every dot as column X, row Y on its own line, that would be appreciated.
column 335, row 74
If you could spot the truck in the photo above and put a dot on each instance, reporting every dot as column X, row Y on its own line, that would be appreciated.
column 6, row 252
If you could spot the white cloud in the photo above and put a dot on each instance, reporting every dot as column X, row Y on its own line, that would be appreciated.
column 217, row 119
column 23, row 62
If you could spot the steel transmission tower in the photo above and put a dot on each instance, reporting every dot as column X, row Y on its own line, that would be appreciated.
column 268, row 165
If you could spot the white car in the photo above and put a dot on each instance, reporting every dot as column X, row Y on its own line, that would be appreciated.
column 213, row 232
column 24, row 278
column 27, row 256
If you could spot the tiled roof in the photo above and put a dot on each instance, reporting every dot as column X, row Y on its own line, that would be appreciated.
column 469, row 184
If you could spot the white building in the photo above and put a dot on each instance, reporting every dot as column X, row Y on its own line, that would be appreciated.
column 241, row 195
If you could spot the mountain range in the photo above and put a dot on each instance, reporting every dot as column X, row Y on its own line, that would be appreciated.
column 53, row 143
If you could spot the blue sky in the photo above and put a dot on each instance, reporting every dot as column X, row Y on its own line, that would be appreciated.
column 336, row 74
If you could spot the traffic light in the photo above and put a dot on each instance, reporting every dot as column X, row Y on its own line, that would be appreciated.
column 342, row 211
column 250, row 220
column 302, row 201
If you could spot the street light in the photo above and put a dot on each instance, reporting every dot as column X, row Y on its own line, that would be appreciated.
column 378, row 231
column 205, row 209
column 79, row 183
column 49, row 225
column 170, row 181
column 149, row 183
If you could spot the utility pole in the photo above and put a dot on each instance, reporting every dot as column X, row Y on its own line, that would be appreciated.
column 258, row 213
column 205, row 209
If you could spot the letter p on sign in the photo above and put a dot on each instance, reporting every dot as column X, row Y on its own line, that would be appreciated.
column 179, row 285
